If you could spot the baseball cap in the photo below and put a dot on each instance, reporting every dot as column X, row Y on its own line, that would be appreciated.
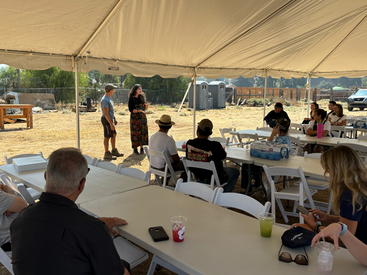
column 205, row 123
column 278, row 105
column 109, row 87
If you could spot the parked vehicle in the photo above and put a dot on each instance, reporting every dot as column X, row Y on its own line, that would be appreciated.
column 358, row 100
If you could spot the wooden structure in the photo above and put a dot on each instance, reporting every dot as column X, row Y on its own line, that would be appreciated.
column 27, row 113
column 285, row 93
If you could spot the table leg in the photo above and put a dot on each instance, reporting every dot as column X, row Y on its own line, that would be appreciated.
column 2, row 118
column 248, row 177
column 30, row 114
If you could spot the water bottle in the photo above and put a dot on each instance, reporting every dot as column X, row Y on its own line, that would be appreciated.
column 285, row 153
column 320, row 129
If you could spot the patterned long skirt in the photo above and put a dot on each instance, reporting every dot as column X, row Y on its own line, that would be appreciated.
column 138, row 129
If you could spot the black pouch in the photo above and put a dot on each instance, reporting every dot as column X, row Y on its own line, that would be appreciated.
column 297, row 237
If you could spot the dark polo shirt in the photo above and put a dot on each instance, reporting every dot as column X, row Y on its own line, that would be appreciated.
column 54, row 237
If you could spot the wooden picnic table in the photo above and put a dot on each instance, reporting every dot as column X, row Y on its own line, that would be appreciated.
column 27, row 113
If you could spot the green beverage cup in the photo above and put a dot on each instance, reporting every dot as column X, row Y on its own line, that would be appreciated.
column 266, row 224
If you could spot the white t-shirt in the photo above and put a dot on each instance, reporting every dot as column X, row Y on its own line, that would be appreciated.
column 6, row 200
column 334, row 118
column 327, row 126
column 162, row 142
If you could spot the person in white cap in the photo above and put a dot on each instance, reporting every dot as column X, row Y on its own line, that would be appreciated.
column 162, row 142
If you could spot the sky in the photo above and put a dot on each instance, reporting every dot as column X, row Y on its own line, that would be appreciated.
column 2, row 65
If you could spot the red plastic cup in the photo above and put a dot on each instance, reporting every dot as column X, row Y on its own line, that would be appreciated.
column 178, row 228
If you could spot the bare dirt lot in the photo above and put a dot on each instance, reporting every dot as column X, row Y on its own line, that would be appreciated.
column 54, row 130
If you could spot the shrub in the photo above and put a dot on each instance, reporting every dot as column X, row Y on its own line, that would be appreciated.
column 183, row 114
column 161, row 108
column 122, row 113
column 149, row 112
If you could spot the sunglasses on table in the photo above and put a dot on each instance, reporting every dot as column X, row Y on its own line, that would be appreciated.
column 287, row 257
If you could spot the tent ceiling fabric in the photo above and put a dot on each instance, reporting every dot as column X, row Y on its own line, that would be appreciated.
column 288, row 38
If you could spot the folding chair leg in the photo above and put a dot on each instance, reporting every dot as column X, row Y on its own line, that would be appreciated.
column 279, row 202
column 156, row 260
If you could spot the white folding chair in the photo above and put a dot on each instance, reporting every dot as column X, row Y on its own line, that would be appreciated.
column 223, row 141
column 297, row 149
column 196, row 189
column 91, row 161
column 10, row 160
column 6, row 261
column 168, row 169
column 318, row 184
column 210, row 166
column 360, row 149
column 250, row 139
column 134, row 173
column 20, row 189
column 108, row 166
column 297, row 194
column 224, row 131
column 338, row 131
column 296, row 126
column 156, row 260
column 129, row 252
column 362, row 136
column 241, row 202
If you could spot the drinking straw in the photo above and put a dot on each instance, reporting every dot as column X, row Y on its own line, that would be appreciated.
column 322, row 234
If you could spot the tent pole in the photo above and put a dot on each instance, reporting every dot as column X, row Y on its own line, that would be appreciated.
column 194, row 102
column 265, row 91
column 183, row 100
column 309, row 93
column 77, row 104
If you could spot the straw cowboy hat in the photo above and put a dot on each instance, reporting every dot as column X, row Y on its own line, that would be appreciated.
column 165, row 120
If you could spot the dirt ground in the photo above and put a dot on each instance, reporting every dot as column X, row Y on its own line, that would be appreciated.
column 54, row 130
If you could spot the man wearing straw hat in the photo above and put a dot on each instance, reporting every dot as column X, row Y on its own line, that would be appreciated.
column 162, row 142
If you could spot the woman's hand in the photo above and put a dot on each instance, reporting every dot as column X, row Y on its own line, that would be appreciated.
column 323, row 217
column 310, row 220
column 332, row 231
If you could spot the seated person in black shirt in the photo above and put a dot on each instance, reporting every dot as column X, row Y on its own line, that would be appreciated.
column 278, row 112
column 210, row 150
column 54, row 236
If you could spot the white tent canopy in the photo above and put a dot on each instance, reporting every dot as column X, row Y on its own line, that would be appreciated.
column 288, row 38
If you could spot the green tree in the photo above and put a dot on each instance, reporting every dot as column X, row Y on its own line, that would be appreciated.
column 8, row 76
column 102, row 79
column 364, row 81
column 62, row 82
column 171, row 86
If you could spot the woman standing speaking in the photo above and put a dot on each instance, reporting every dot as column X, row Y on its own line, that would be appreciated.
column 138, row 118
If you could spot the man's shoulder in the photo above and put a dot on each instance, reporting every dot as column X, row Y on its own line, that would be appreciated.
column 105, row 99
column 66, row 217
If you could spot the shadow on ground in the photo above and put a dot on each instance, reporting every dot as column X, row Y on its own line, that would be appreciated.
column 133, row 160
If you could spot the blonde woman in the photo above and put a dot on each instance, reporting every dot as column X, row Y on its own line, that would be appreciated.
column 348, row 184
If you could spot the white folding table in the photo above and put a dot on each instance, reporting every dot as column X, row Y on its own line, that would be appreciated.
column 217, row 240
column 100, row 182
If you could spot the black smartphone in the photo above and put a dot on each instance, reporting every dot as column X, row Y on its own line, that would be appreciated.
column 301, row 209
column 158, row 234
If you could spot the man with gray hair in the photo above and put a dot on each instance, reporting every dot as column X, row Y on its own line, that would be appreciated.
column 54, row 237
